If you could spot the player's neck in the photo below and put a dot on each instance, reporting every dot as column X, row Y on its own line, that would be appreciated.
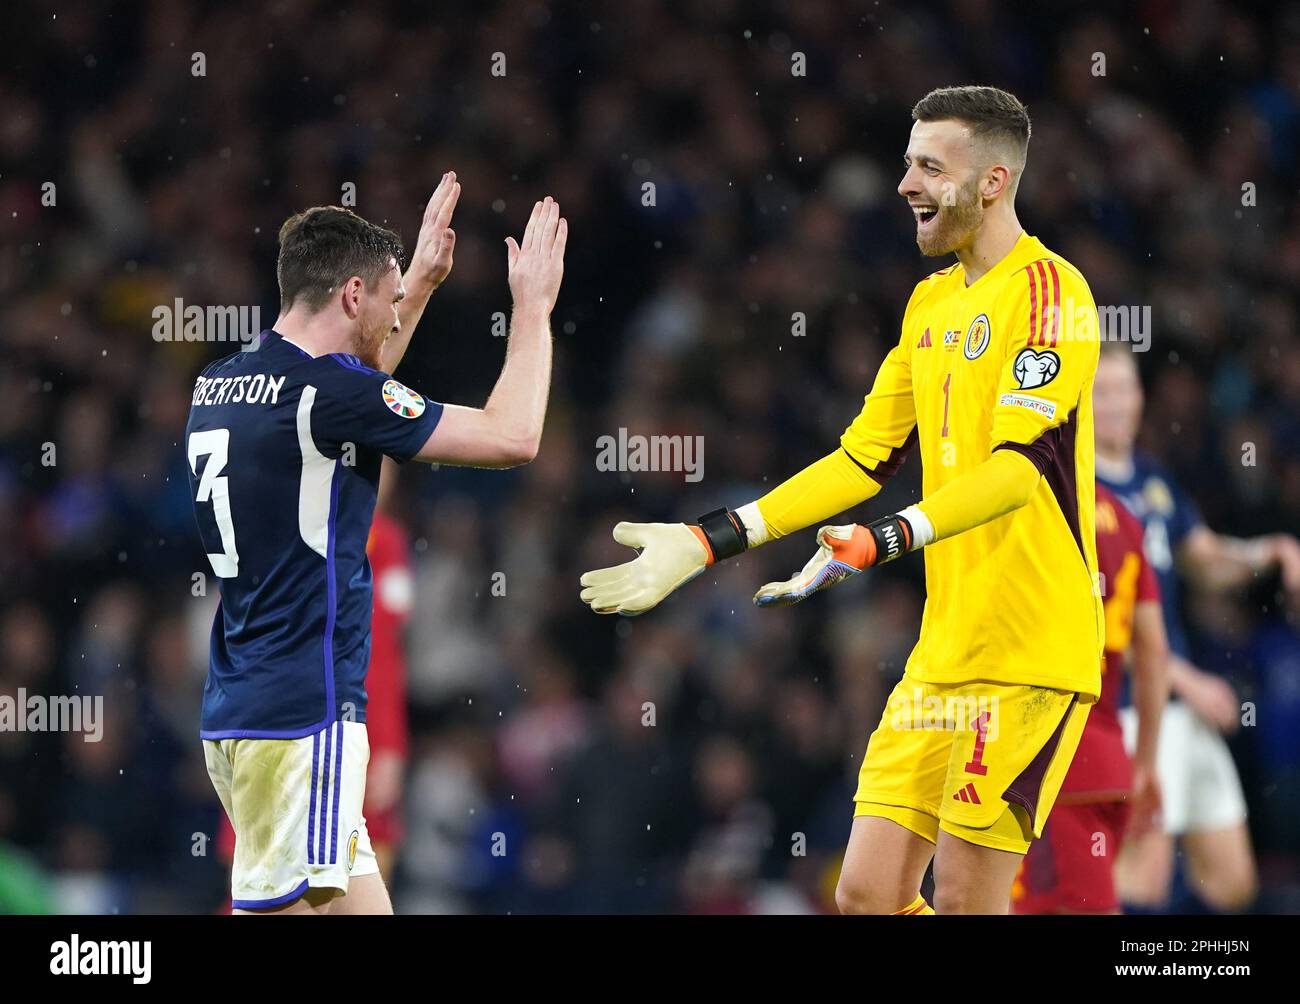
column 311, row 333
column 994, row 241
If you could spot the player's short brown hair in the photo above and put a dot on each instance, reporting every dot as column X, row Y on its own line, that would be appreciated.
column 993, row 115
column 323, row 247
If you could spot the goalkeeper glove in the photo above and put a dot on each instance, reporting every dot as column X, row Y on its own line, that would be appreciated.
column 670, row 555
column 842, row 552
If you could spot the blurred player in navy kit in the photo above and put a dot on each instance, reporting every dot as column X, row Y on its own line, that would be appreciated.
column 284, row 446
column 1203, row 804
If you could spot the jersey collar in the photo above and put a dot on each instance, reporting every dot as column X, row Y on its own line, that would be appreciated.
column 1026, row 249
column 270, row 335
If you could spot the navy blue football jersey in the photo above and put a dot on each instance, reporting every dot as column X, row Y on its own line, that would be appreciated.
column 284, row 455
column 1167, row 516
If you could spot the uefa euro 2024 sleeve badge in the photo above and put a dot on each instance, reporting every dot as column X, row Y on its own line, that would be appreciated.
column 401, row 400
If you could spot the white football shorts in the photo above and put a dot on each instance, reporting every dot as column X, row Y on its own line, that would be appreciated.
column 295, row 805
column 1199, row 787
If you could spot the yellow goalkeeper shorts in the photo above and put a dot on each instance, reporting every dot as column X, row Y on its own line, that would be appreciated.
column 983, row 761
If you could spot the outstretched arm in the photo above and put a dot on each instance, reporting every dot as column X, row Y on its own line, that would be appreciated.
column 1219, row 562
column 1002, row 484
column 507, row 431
column 671, row 554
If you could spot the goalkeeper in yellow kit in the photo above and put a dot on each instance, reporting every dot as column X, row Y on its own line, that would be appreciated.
column 992, row 377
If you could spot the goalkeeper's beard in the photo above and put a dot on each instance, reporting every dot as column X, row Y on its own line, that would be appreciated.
column 954, row 227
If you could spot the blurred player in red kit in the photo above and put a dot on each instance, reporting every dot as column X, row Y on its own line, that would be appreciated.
column 389, row 551
column 1071, row 868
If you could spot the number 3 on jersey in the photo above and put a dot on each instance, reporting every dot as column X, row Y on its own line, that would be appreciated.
column 215, row 443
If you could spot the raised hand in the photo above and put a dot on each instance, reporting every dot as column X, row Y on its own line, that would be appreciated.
column 432, row 258
column 536, row 264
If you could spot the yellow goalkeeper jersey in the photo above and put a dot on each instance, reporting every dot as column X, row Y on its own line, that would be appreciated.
column 1005, row 363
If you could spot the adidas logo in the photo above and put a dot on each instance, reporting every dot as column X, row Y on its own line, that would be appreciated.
column 924, row 343
column 967, row 794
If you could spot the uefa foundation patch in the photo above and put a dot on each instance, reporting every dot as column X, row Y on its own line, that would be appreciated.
column 401, row 400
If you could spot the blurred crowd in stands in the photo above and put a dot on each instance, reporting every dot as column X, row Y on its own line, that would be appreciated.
column 702, row 758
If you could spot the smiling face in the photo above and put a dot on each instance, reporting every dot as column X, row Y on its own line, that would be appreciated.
column 942, row 185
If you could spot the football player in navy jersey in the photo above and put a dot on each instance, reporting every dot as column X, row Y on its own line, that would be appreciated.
column 284, row 446
column 1203, row 804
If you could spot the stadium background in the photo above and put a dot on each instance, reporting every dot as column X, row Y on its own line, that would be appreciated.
column 774, row 195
